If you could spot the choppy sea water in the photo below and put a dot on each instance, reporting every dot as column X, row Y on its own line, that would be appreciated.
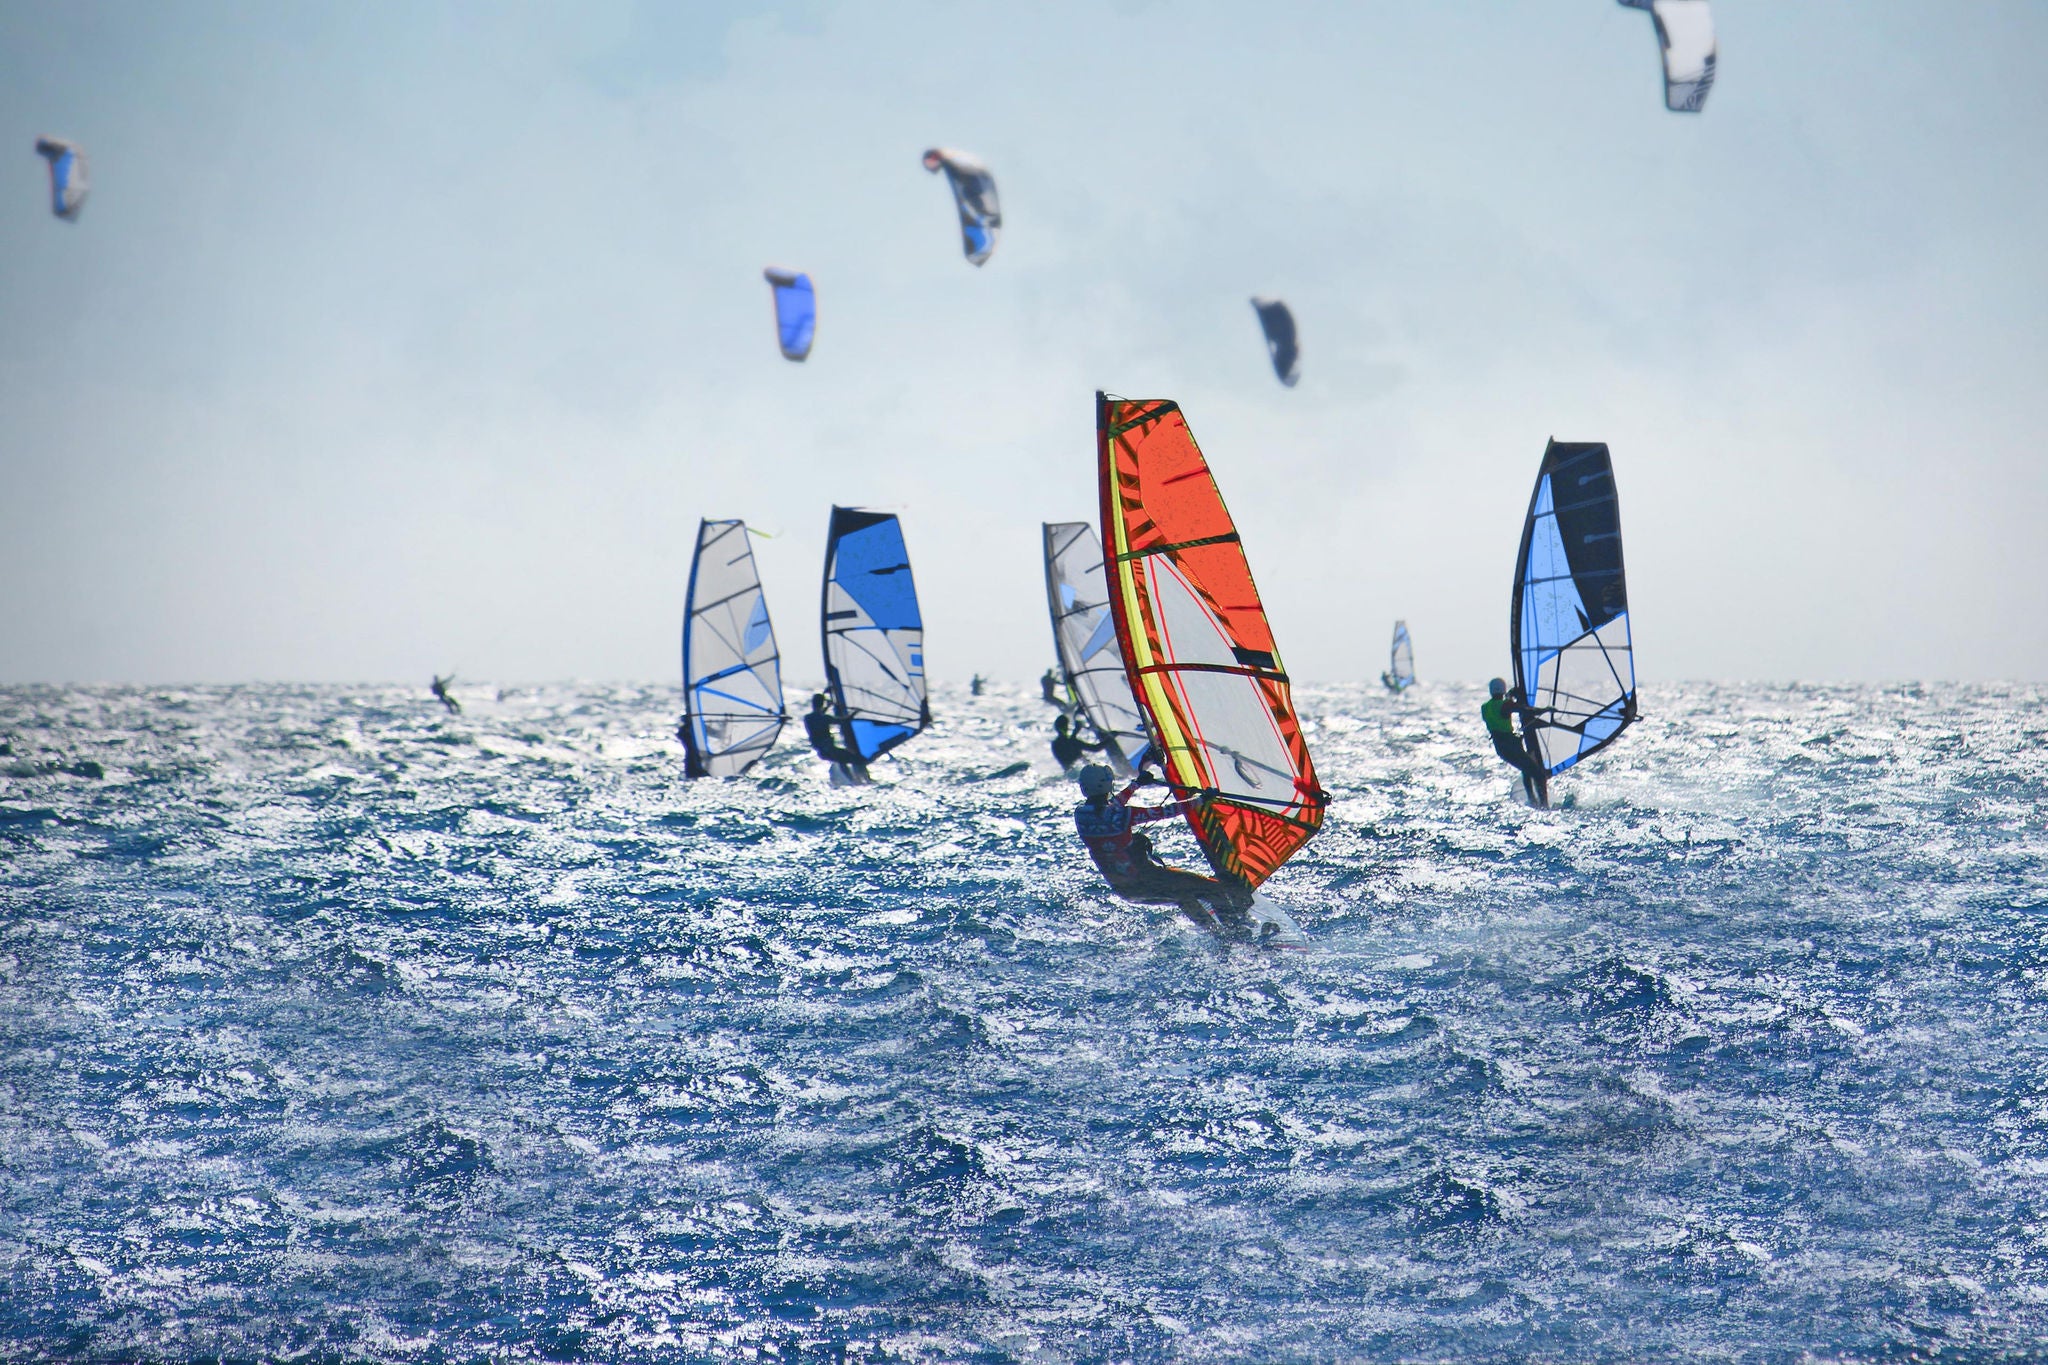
column 335, row 1027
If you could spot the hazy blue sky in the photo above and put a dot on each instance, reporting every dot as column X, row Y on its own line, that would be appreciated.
column 407, row 337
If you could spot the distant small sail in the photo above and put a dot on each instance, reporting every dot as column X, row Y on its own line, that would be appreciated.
column 796, row 310
column 1400, row 674
column 1278, row 324
column 1084, row 634
column 873, row 632
column 974, row 195
column 1685, row 33
column 1574, row 660
column 68, row 182
column 732, row 670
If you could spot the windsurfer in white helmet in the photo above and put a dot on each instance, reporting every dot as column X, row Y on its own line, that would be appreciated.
column 1105, row 823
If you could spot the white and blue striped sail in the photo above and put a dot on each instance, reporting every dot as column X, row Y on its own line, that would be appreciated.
column 68, row 182
column 1084, row 634
column 1400, row 674
column 732, row 671
column 873, row 633
column 1574, row 659
column 1685, row 35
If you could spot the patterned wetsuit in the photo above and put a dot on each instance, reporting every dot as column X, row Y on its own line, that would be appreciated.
column 1124, row 857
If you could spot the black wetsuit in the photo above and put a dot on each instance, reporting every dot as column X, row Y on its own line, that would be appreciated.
column 1068, row 748
column 823, row 732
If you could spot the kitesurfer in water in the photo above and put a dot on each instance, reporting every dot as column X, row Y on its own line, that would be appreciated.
column 824, row 730
column 1067, row 747
column 441, row 694
column 1105, row 822
column 974, row 685
column 1499, row 711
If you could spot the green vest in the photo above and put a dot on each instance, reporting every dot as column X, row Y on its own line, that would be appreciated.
column 1494, row 711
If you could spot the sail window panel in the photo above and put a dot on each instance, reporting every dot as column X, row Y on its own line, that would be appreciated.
column 1241, row 751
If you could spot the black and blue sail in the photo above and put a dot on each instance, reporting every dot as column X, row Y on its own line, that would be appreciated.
column 873, row 633
column 1569, row 623
column 732, row 670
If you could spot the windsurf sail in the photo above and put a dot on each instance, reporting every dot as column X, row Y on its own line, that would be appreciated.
column 1685, row 34
column 1569, row 622
column 974, row 195
column 732, row 671
column 873, row 633
column 1084, row 633
column 1400, row 674
column 796, row 310
column 1197, row 648
column 1276, row 320
column 68, row 181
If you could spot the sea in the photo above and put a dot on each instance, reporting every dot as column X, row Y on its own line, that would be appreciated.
column 334, row 1027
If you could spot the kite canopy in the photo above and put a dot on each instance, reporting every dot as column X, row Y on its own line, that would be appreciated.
column 796, row 310
column 732, row 671
column 1197, row 647
column 1569, row 627
column 68, row 182
column 1084, row 633
column 1685, row 32
column 974, row 194
column 1278, row 324
column 873, row 632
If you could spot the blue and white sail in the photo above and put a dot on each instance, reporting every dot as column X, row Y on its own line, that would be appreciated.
column 796, row 310
column 1569, row 621
column 1685, row 36
column 68, row 181
column 1084, row 634
column 732, row 671
column 873, row 633
column 974, row 196
column 1400, row 674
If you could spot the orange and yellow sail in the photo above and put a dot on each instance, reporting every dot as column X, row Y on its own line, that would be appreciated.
column 1196, row 643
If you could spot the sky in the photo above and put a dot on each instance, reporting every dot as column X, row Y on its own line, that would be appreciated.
column 397, row 339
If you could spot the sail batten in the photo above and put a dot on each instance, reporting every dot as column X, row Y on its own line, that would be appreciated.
column 1198, row 651
column 1569, row 630
column 732, row 669
column 1085, row 640
column 872, row 632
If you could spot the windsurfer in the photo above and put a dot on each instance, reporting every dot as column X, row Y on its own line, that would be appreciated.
column 442, row 695
column 1125, row 857
column 824, row 730
column 1049, row 684
column 1499, row 711
column 1067, row 747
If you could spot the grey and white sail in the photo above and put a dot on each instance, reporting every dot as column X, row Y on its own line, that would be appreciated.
column 1685, row 35
column 732, row 670
column 1084, row 634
